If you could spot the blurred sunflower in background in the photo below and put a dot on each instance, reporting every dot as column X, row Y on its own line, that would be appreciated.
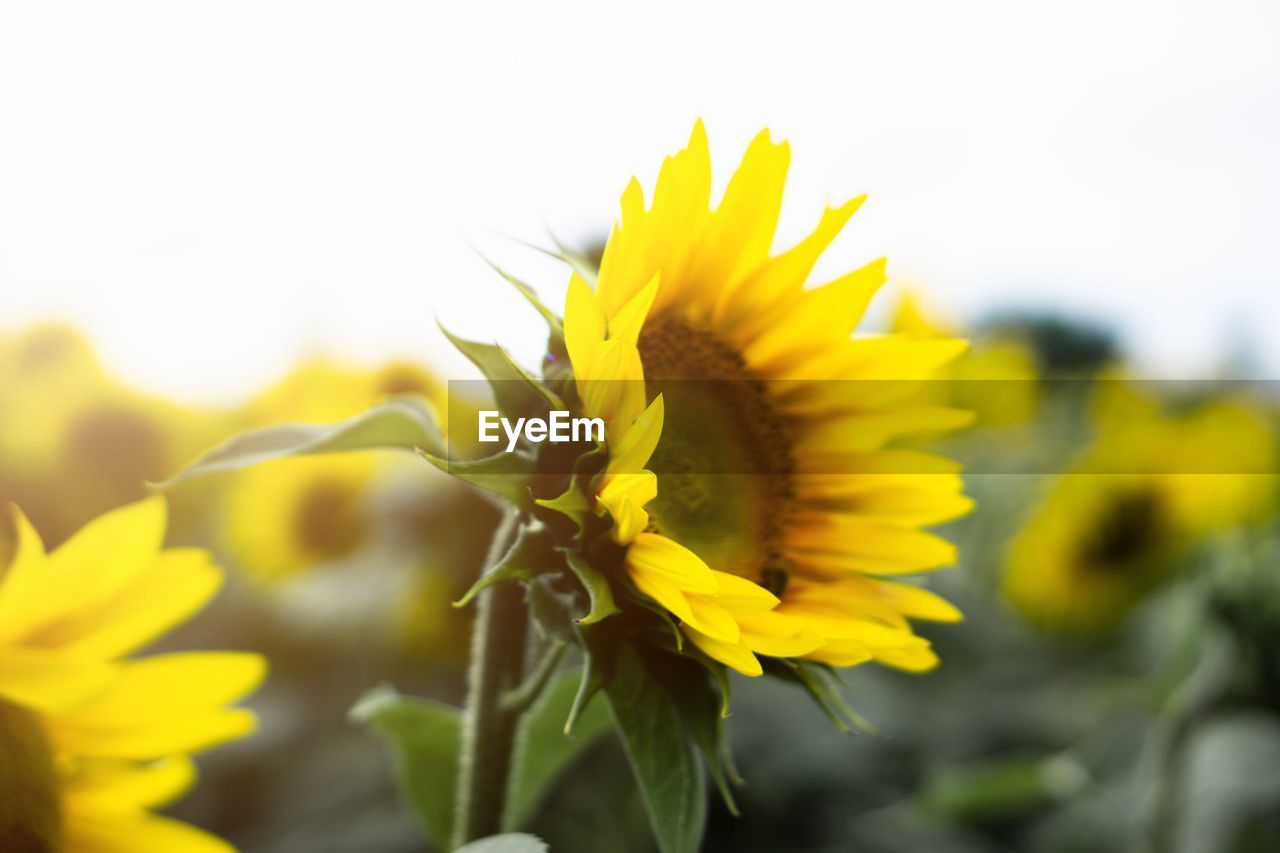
column 994, row 378
column 1119, row 522
column 91, row 740
column 75, row 441
column 773, row 517
column 299, row 526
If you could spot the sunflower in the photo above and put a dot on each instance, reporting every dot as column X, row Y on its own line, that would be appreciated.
column 757, row 500
column 75, row 441
column 91, row 740
column 288, row 515
column 1118, row 524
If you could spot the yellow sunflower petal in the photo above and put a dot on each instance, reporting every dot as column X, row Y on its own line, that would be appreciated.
column 917, row 603
column 656, row 555
column 584, row 326
column 741, row 232
column 164, row 705
column 842, row 543
column 51, row 681
column 741, row 597
column 733, row 654
column 22, row 586
column 179, row 583
column 776, row 635
column 746, row 309
column 640, row 440
column 625, row 326
column 908, row 660
column 819, row 316
column 139, row 832
column 103, row 786
column 709, row 617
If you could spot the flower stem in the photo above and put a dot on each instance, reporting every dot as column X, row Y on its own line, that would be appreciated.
column 488, row 728
column 1189, row 706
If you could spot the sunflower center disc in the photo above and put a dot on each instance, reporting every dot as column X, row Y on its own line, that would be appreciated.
column 30, row 794
column 724, row 462
column 328, row 520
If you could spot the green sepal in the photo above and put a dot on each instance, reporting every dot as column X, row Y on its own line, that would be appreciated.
column 572, row 503
column 401, row 423
column 424, row 738
column 551, row 608
column 554, row 323
column 590, row 683
column 566, row 254
column 816, row 681
column 701, row 710
column 510, row 476
column 597, row 587
column 515, row 391
column 531, row 555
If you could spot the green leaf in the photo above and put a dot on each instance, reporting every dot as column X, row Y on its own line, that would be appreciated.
column 554, row 322
column 665, row 764
column 401, row 423
column 543, row 750
column 424, row 738
column 597, row 586
column 532, row 554
column 509, row 842
column 507, row 475
column 515, row 391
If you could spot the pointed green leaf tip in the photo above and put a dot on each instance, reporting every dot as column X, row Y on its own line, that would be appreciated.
column 514, row 390
column 597, row 586
column 572, row 504
column 531, row 555
column 507, row 475
column 401, row 423
column 423, row 737
column 554, row 323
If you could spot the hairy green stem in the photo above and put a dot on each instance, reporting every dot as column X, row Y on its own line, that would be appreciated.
column 488, row 728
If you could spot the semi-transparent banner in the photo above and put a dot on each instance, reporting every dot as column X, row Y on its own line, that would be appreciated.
column 1044, row 426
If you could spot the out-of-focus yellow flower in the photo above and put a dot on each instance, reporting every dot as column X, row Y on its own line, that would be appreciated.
column 92, row 740
column 74, row 442
column 994, row 379
column 292, row 514
column 288, row 515
column 1115, row 526
column 746, row 535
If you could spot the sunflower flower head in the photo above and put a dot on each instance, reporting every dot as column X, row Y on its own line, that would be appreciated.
column 1119, row 523
column 94, row 739
column 773, row 509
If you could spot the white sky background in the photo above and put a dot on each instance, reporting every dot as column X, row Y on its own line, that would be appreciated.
column 211, row 190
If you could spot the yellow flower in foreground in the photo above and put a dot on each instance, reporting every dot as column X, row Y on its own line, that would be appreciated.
column 777, row 518
column 90, row 740
column 1115, row 526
